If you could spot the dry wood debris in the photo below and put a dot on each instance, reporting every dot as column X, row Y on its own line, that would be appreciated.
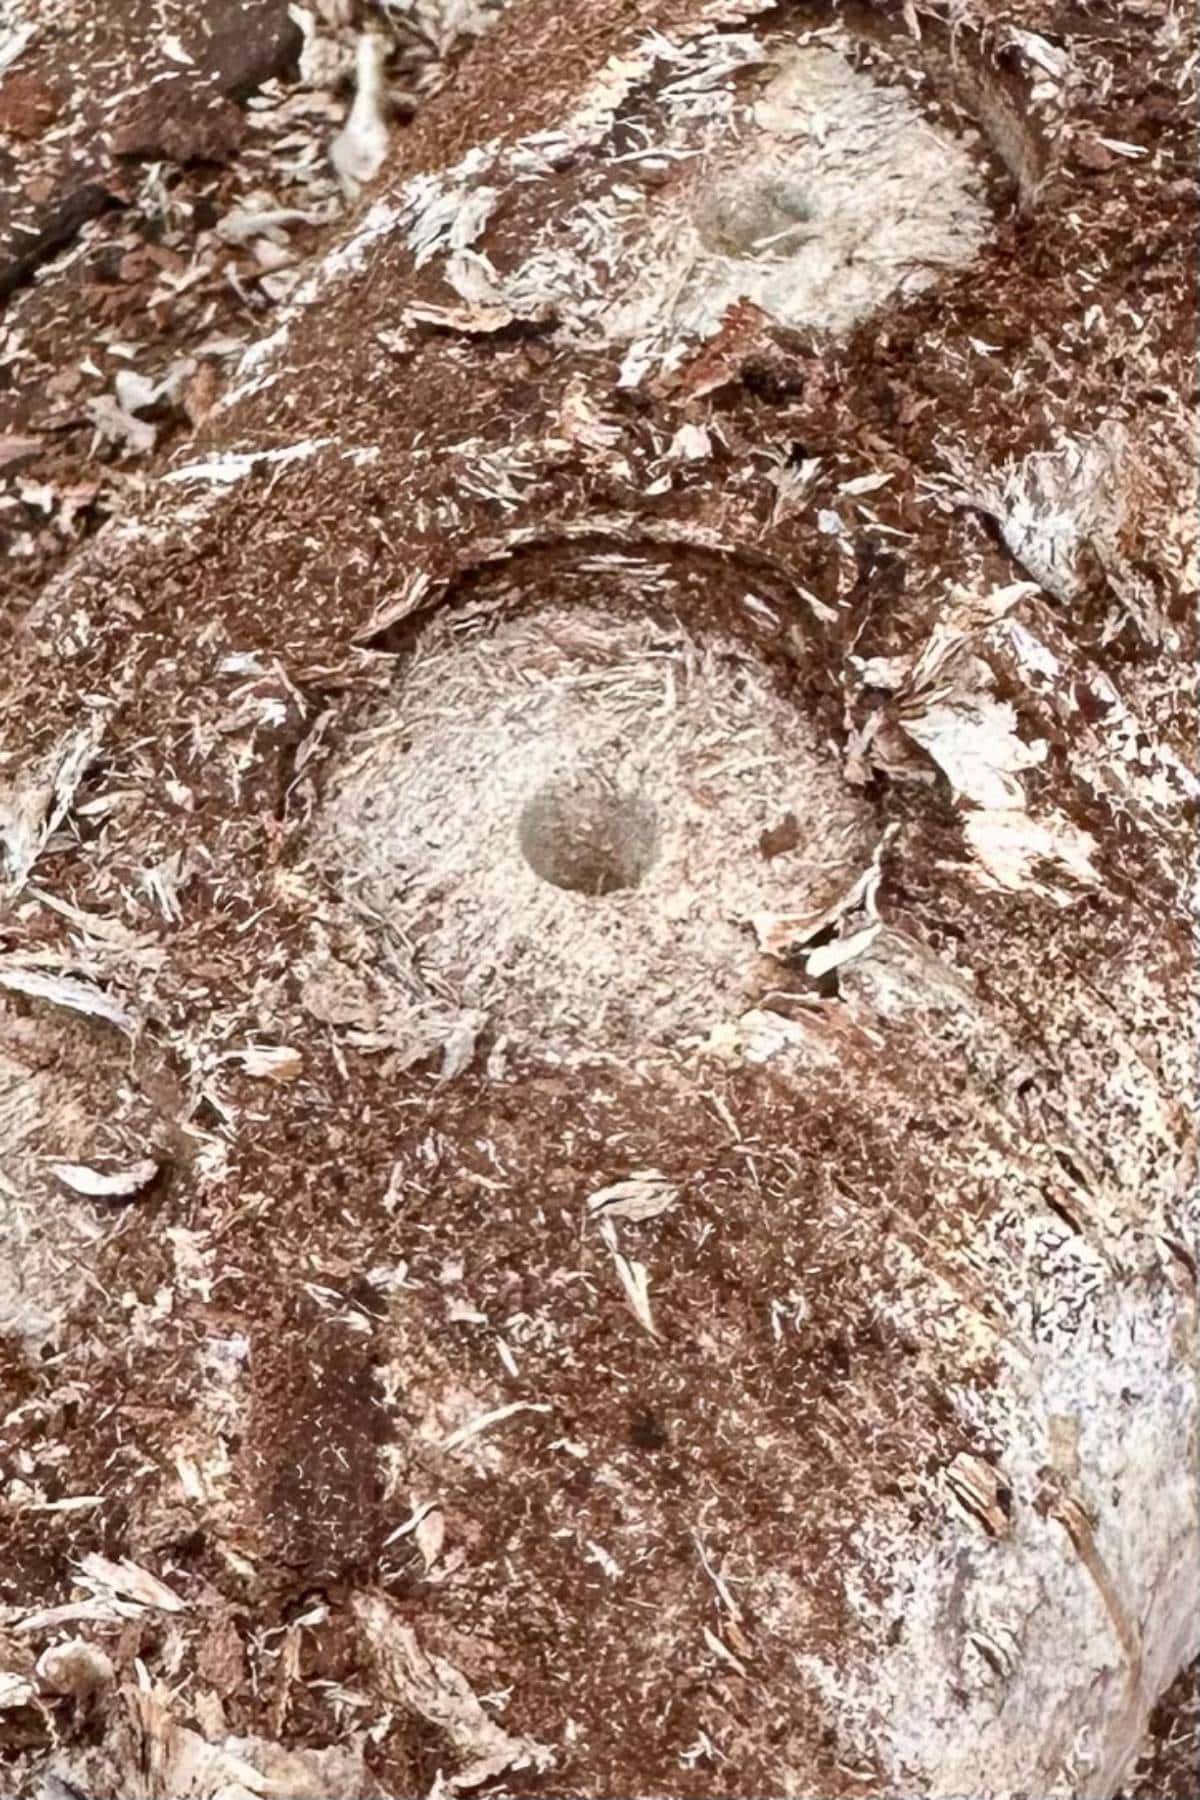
column 747, row 1296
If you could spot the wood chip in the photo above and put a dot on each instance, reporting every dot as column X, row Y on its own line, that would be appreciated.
column 635, row 1279
column 430, row 1534
column 723, row 1651
column 73, row 1612
column 65, row 990
column 15, row 1691
column 130, row 1580
column 977, row 1487
column 485, row 1421
column 433, row 1689
column 76, row 1667
column 827, row 957
column 271, row 1062
column 15, row 450
column 643, row 1195
column 472, row 321
column 118, row 1185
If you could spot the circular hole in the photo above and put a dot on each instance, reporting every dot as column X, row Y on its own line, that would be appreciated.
column 754, row 213
column 584, row 833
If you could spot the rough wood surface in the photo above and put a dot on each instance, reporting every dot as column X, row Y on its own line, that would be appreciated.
column 730, row 1330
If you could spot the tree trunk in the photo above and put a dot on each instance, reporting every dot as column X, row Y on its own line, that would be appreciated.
column 597, row 1027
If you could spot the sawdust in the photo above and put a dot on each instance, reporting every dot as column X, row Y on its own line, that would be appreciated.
column 50, row 1106
column 835, row 194
column 911, row 1416
column 741, row 168
column 468, row 817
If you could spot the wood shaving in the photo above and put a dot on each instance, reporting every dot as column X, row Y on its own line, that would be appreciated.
column 645, row 1194
column 486, row 1421
column 130, row 1581
column 437, row 1692
column 117, row 1184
